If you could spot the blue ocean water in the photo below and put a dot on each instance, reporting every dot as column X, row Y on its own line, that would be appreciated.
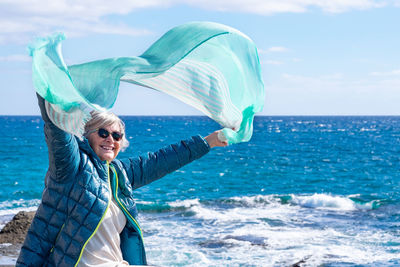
column 315, row 190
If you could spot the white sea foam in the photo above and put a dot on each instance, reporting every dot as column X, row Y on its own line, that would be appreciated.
column 316, row 201
column 7, row 261
column 9, row 208
column 263, row 230
column 324, row 201
column 266, row 230
column 256, row 200
column 367, row 130
column 15, row 206
column 187, row 203
column 142, row 202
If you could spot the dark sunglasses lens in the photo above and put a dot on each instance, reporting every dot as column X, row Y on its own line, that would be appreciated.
column 103, row 133
column 116, row 136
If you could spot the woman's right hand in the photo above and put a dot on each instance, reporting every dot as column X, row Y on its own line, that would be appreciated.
column 214, row 141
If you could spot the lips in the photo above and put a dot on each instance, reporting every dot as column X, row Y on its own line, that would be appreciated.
column 107, row 148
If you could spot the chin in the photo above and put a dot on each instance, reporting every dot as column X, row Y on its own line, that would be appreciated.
column 108, row 158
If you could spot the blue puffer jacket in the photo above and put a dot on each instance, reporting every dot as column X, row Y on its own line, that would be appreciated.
column 78, row 189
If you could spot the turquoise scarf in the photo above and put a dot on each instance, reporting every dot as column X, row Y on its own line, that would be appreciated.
column 209, row 66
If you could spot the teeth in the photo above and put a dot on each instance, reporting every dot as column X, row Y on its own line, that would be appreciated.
column 107, row 148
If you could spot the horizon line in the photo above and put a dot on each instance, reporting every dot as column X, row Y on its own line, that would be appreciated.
column 263, row 115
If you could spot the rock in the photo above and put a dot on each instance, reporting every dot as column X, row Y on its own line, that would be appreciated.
column 14, row 232
column 299, row 263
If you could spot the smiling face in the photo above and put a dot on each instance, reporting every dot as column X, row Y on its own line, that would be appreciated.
column 106, row 148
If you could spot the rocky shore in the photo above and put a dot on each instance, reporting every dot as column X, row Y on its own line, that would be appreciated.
column 13, row 234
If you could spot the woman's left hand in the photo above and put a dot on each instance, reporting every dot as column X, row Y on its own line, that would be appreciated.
column 214, row 141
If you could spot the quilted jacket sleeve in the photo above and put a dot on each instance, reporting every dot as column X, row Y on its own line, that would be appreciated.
column 62, row 146
column 152, row 166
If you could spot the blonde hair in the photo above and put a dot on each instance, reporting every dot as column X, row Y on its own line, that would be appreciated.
column 101, row 119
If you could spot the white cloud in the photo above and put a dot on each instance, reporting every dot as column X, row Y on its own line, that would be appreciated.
column 84, row 10
column 267, row 7
column 274, row 49
column 15, row 58
column 277, row 49
column 273, row 62
column 313, row 83
column 388, row 73
column 22, row 19
column 302, row 78
column 334, row 94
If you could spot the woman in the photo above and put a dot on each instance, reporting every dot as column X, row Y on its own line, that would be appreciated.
column 87, row 216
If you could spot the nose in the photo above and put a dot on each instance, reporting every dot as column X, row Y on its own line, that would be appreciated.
column 110, row 138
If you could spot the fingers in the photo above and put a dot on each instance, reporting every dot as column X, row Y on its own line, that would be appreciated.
column 214, row 139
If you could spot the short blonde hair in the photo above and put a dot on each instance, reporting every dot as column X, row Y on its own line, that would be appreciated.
column 101, row 119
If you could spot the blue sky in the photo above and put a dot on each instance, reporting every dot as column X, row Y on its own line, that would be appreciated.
column 318, row 57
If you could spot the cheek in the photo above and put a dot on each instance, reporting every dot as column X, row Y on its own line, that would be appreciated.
column 118, row 148
column 93, row 142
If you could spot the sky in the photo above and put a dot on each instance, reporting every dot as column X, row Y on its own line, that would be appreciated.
column 318, row 57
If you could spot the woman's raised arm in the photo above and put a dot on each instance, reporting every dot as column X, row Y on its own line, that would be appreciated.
column 152, row 166
column 62, row 146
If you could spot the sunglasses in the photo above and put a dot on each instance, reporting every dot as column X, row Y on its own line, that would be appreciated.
column 103, row 133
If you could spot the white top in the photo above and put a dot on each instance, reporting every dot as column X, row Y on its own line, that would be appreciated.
column 103, row 249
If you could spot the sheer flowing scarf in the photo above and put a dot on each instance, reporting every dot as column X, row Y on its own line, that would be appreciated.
column 209, row 66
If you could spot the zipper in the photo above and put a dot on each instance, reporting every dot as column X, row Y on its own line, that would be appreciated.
column 127, row 214
column 58, row 235
column 102, row 217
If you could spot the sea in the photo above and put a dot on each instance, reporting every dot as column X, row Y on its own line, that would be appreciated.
column 304, row 191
